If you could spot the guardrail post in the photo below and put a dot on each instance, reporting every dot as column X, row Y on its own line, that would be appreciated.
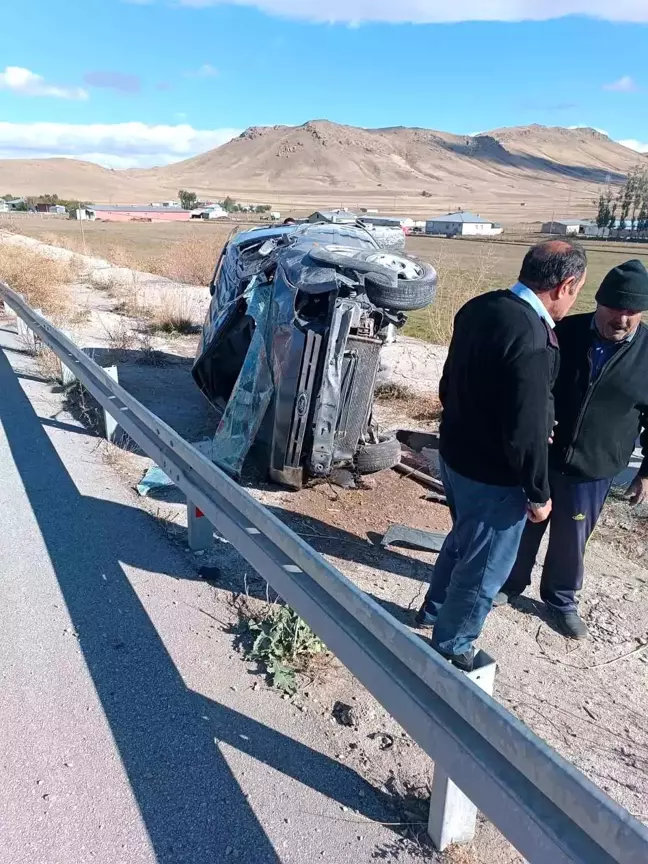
column 67, row 375
column 453, row 816
column 200, row 529
column 110, row 423
column 25, row 334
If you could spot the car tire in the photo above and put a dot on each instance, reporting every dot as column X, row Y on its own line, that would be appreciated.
column 372, row 458
column 387, row 290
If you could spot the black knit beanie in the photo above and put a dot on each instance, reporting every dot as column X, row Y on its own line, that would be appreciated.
column 625, row 287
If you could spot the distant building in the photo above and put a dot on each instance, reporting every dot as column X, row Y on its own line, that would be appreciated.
column 337, row 217
column 134, row 213
column 403, row 222
column 4, row 207
column 15, row 203
column 573, row 227
column 462, row 224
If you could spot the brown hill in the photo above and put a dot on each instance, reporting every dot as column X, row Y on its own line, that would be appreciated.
column 520, row 173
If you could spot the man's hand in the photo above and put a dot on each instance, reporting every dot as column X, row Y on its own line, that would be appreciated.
column 539, row 512
column 638, row 491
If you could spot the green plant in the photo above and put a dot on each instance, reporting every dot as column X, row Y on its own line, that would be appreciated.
column 283, row 644
column 188, row 200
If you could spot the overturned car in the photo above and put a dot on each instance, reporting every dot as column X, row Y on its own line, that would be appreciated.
column 291, row 347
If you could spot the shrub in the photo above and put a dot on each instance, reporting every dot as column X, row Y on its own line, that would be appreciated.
column 41, row 280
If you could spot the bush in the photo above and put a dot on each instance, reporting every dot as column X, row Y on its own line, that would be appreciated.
column 41, row 280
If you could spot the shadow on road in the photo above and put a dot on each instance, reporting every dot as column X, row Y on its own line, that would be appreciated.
column 190, row 801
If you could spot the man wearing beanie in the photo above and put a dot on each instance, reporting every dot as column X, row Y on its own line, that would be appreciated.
column 601, row 405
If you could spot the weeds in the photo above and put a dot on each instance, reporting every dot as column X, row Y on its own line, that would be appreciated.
column 120, row 336
column 192, row 261
column 421, row 407
column 43, row 281
column 174, row 314
column 48, row 364
column 284, row 644
column 456, row 287
column 148, row 355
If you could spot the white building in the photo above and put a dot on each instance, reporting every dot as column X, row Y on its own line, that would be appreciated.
column 571, row 227
column 337, row 217
column 462, row 224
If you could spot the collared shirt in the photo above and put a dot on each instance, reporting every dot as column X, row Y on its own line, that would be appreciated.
column 534, row 301
column 603, row 350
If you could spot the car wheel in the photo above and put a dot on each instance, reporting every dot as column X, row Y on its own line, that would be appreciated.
column 372, row 458
column 402, row 284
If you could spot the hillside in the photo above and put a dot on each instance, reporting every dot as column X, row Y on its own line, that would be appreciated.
column 544, row 170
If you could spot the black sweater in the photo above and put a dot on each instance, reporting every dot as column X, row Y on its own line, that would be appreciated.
column 496, row 394
column 598, row 422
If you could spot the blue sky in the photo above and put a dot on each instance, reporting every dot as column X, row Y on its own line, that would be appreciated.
column 142, row 82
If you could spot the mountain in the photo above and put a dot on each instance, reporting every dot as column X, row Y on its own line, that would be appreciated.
column 519, row 173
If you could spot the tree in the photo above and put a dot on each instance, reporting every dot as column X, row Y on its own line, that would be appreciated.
column 604, row 208
column 230, row 205
column 188, row 200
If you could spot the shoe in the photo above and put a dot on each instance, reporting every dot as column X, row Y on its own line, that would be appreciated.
column 502, row 598
column 424, row 620
column 464, row 662
column 570, row 624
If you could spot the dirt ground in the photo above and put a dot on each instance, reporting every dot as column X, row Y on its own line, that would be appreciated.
column 585, row 699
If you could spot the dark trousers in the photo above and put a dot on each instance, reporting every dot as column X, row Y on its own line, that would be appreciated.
column 577, row 505
column 477, row 554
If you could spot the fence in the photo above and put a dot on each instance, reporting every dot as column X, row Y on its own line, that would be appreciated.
column 546, row 808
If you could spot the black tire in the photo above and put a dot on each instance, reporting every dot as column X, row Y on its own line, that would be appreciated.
column 402, row 295
column 385, row 454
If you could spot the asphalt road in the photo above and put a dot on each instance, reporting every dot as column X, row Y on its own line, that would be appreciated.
column 129, row 729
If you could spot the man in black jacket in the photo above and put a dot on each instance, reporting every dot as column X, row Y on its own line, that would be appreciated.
column 497, row 419
column 601, row 401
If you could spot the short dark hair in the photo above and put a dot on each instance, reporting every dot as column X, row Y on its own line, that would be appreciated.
column 548, row 264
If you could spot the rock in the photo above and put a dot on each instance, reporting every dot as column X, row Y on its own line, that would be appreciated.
column 345, row 715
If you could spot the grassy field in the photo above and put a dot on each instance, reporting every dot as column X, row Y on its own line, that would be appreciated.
column 188, row 251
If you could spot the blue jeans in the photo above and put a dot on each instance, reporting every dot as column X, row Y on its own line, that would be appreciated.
column 475, row 560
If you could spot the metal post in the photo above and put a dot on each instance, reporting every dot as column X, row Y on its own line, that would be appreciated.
column 67, row 375
column 25, row 334
column 110, row 423
column 200, row 529
column 453, row 816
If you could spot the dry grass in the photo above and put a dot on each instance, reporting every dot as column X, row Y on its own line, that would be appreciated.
column 120, row 335
column 456, row 286
column 425, row 409
column 48, row 364
column 174, row 314
column 41, row 280
column 192, row 261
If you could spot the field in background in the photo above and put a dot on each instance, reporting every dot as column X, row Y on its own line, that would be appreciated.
column 188, row 252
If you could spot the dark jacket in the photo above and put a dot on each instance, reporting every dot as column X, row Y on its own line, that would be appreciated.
column 496, row 394
column 598, row 422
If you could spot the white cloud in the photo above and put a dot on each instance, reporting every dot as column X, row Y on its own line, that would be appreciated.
column 633, row 144
column 26, row 83
column 204, row 71
column 118, row 145
column 624, row 84
column 438, row 11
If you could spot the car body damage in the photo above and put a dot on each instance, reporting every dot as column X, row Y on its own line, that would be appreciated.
column 291, row 347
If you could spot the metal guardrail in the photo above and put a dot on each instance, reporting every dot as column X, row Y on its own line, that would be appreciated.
column 544, row 806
